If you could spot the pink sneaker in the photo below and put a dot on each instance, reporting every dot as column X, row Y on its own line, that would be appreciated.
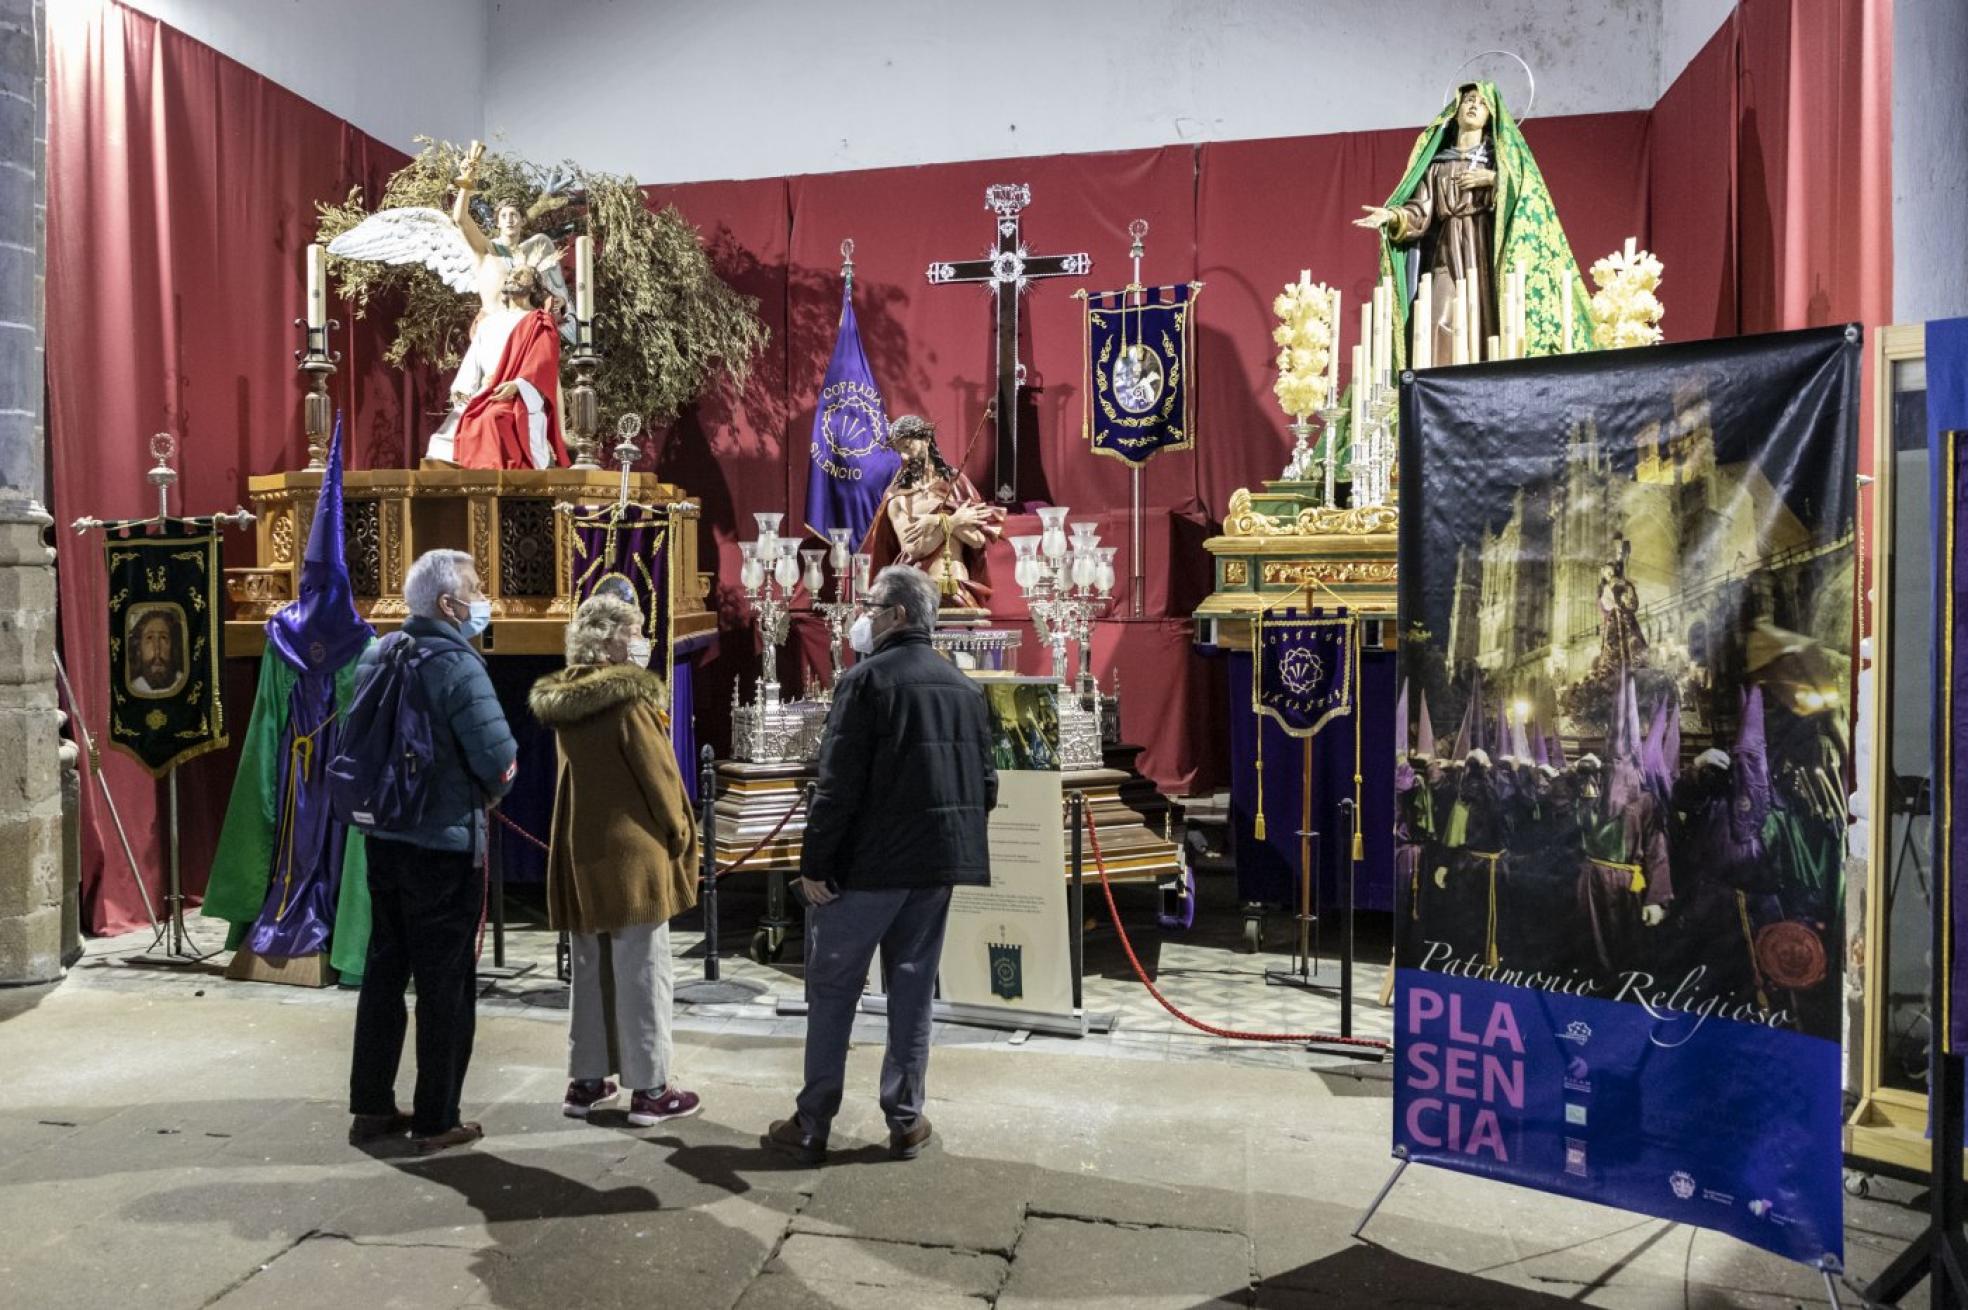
column 653, row 1107
column 585, row 1095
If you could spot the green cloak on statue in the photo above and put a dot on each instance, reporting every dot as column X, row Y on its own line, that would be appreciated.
column 1516, row 223
column 1483, row 235
column 291, row 880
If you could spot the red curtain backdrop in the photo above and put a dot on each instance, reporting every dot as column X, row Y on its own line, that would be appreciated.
column 182, row 189
column 1797, row 231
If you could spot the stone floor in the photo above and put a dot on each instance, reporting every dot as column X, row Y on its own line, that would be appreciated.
column 171, row 1139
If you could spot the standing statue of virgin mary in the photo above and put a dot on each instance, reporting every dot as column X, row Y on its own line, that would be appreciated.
column 1473, row 205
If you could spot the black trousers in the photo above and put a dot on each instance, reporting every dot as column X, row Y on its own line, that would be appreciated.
column 424, row 910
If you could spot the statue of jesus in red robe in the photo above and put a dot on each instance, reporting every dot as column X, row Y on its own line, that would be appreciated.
column 506, row 412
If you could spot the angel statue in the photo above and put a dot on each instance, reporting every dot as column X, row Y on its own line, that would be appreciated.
column 505, row 396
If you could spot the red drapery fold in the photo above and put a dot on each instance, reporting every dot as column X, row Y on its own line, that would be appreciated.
column 181, row 191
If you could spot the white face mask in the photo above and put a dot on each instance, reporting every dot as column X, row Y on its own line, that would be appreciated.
column 640, row 650
column 861, row 637
column 477, row 619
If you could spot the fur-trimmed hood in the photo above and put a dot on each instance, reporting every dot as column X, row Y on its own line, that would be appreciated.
column 585, row 690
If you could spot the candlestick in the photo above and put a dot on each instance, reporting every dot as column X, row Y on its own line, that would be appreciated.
column 317, row 288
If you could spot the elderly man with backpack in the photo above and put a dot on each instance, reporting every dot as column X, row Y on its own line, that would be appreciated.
column 424, row 751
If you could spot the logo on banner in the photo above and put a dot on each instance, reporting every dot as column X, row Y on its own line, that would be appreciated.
column 1683, row 1184
column 1304, row 670
column 1575, row 1114
column 1578, row 1030
column 1007, row 970
column 1578, row 1075
column 1575, row 1157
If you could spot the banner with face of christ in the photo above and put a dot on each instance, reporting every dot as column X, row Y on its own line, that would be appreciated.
column 165, row 704
column 1618, row 965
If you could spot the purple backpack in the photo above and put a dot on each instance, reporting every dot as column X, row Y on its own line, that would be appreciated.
column 380, row 778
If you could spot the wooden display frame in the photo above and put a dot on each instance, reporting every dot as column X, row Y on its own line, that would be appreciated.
column 1888, row 1128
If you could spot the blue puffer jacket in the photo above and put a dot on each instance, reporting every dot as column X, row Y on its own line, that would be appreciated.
column 475, row 756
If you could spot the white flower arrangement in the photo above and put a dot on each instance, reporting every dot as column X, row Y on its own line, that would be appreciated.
column 1304, row 337
column 1625, row 310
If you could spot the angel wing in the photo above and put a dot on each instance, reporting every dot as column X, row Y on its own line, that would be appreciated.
column 412, row 235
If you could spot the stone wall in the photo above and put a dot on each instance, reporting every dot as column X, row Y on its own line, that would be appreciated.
column 30, row 748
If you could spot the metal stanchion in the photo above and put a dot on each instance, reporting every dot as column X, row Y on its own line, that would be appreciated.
column 713, row 988
column 1077, row 810
column 495, row 898
column 707, row 879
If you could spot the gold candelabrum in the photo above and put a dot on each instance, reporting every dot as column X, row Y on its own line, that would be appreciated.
column 582, row 403
column 317, row 364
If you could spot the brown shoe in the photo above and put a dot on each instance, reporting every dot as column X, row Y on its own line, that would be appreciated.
column 907, row 1144
column 463, row 1135
column 366, row 1128
column 787, row 1135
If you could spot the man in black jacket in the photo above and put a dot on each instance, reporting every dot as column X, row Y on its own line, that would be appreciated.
column 900, row 816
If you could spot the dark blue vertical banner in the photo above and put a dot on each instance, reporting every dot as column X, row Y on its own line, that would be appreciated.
column 1629, row 575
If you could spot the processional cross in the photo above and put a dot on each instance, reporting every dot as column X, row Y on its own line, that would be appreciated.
column 1007, row 271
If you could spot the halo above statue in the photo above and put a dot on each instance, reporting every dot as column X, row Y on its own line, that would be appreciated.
column 1530, row 82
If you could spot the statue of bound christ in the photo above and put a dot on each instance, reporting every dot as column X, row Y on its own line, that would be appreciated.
column 504, row 398
column 931, row 516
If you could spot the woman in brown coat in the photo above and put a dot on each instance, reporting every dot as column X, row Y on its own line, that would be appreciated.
column 621, row 863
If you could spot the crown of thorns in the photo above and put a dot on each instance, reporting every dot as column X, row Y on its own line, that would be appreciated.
column 911, row 427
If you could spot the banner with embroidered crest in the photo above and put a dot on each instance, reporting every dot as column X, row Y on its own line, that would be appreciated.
column 165, row 703
column 625, row 548
column 1137, row 385
column 1304, row 674
column 852, row 461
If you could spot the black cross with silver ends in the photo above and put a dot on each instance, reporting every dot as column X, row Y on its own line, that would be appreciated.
column 1007, row 271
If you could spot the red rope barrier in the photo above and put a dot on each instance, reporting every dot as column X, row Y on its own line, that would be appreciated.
column 730, row 868
column 767, row 840
column 1231, row 1034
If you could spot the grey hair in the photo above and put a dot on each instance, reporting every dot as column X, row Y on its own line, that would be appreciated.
column 596, row 621
column 909, row 587
column 435, row 573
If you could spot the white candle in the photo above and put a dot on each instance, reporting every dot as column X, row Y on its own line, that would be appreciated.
column 1490, row 347
column 1631, row 245
column 1362, row 370
column 1423, row 312
column 1459, row 326
column 1566, row 315
column 317, row 287
column 1385, row 321
column 1360, row 366
column 1332, row 352
column 1519, row 324
column 1305, row 277
column 584, row 278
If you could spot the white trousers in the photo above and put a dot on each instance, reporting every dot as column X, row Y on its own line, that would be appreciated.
column 619, row 1005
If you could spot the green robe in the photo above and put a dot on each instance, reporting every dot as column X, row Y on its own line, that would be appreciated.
column 242, row 868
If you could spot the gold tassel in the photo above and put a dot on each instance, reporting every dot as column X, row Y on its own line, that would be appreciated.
column 1257, row 714
column 1359, row 713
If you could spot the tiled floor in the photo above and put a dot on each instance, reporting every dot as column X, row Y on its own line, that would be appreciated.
column 1206, row 971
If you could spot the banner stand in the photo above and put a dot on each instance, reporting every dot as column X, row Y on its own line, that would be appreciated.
column 172, row 944
column 1828, row 1266
column 1078, row 1024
